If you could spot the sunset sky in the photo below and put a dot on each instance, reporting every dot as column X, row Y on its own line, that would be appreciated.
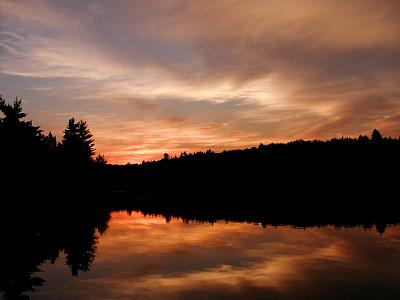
column 170, row 76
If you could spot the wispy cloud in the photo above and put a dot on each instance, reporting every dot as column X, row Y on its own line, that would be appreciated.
column 211, row 73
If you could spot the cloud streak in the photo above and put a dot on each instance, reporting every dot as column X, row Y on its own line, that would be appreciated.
column 230, row 73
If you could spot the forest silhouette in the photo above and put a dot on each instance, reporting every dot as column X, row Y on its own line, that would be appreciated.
column 338, row 174
column 58, row 195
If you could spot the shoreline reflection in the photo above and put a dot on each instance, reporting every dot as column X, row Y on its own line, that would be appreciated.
column 153, row 257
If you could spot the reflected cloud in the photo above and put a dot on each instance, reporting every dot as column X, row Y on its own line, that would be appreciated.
column 149, row 258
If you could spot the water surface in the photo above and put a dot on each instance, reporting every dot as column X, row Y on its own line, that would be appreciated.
column 145, row 257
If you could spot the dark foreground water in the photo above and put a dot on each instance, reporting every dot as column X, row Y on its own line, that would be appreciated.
column 144, row 257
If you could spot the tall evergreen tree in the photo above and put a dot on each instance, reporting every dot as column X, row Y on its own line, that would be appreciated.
column 376, row 136
column 12, row 112
column 21, row 141
column 78, row 143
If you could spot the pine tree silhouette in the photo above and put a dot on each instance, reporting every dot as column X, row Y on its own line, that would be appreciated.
column 376, row 136
column 78, row 143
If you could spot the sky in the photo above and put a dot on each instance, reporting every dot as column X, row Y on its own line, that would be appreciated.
column 151, row 77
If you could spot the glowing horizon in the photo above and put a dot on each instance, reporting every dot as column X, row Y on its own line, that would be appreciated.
column 153, row 77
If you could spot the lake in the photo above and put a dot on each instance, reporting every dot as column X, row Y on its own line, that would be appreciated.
column 145, row 257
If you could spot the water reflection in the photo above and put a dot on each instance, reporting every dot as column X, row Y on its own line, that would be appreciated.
column 144, row 257
column 31, row 237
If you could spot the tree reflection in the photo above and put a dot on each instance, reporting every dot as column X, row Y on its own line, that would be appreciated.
column 36, row 235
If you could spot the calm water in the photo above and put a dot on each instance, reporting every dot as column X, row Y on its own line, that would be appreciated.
column 142, row 257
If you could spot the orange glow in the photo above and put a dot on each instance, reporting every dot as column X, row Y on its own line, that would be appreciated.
column 173, row 77
column 148, row 257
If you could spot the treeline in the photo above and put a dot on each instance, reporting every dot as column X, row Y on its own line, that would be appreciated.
column 342, row 180
column 345, row 181
column 366, row 165
column 376, row 138
column 340, row 168
column 31, row 159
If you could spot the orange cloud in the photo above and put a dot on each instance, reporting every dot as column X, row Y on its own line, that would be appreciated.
column 155, row 77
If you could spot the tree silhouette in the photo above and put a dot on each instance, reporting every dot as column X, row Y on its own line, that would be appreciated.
column 12, row 125
column 101, row 159
column 12, row 112
column 51, row 141
column 300, row 182
column 78, row 143
column 21, row 142
column 376, row 136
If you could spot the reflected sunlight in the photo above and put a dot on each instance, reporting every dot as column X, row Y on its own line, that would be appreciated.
column 150, row 258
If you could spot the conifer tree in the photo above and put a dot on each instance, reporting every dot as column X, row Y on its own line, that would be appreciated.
column 78, row 143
